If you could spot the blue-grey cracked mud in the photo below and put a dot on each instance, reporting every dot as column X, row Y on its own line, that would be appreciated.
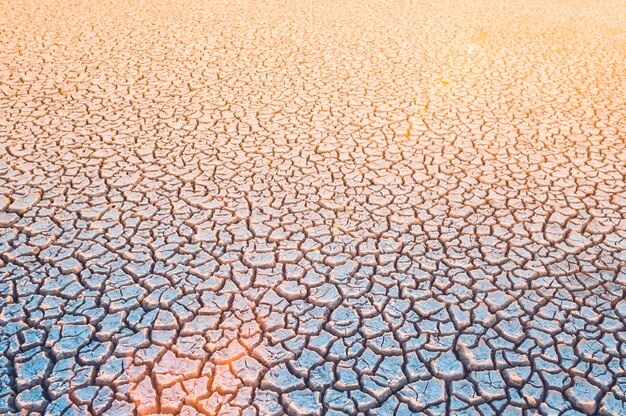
column 307, row 208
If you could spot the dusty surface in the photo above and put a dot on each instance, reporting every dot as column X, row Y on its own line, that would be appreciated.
column 308, row 208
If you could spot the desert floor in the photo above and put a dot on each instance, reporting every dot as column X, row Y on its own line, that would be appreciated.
column 313, row 207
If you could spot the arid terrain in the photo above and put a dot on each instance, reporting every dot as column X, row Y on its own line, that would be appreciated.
column 313, row 207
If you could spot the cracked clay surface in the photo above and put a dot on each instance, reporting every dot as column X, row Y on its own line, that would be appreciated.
column 312, row 208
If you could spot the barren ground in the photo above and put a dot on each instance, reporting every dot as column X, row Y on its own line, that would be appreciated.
column 314, row 207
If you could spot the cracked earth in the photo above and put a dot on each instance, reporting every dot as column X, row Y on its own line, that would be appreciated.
column 306, row 208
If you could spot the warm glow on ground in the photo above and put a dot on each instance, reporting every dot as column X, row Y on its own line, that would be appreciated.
column 313, row 207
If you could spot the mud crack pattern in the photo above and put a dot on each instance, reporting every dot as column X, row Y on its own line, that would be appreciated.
column 306, row 208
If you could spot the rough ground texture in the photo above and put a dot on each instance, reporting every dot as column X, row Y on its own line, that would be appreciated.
column 306, row 208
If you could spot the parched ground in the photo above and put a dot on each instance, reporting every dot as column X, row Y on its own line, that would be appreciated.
column 312, row 207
